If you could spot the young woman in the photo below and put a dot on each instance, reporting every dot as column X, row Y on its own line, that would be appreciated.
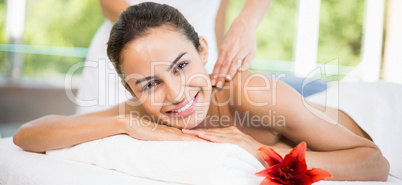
column 162, row 60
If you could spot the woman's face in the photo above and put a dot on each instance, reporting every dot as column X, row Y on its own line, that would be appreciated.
column 166, row 73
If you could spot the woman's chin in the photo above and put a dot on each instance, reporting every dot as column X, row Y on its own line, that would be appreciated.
column 194, row 120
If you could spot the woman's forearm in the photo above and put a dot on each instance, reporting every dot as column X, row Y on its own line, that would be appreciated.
column 362, row 163
column 112, row 9
column 52, row 132
column 253, row 12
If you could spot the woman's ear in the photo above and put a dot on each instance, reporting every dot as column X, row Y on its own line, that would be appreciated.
column 203, row 49
column 125, row 84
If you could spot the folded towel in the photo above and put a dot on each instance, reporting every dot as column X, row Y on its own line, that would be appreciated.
column 172, row 161
column 21, row 167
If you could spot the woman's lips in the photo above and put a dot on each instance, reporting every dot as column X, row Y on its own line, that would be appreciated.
column 185, row 109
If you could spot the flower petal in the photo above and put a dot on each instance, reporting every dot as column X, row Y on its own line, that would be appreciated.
column 301, row 179
column 268, row 181
column 270, row 156
column 296, row 158
column 317, row 174
column 271, row 171
column 264, row 173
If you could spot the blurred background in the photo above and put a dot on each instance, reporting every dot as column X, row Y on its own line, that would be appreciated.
column 55, row 35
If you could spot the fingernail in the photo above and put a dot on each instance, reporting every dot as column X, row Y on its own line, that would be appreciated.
column 219, row 85
column 241, row 69
column 213, row 81
column 228, row 77
column 185, row 130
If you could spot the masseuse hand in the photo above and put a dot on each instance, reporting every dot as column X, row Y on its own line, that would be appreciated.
column 149, row 131
column 238, row 50
column 229, row 135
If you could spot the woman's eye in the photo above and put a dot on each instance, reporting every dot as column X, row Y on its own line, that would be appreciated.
column 149, row 85
column 179, row 67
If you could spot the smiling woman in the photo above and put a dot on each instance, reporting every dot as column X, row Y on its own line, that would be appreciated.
column 161, row 61
column 153, row 55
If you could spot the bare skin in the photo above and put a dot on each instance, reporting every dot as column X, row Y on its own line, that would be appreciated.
column 338, row 147
column 268, row 137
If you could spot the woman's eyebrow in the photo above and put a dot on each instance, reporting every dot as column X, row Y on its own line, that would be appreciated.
column 144, row 79
column 176, row 60
column 170, row 67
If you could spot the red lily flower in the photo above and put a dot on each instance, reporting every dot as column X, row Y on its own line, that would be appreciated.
column 292, row 170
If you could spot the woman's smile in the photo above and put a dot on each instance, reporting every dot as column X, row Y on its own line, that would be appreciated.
column 185, row 108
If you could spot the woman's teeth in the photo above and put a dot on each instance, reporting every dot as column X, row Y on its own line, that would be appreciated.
column 185, row 107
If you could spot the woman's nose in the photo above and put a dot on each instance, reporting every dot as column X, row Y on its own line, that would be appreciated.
column 174, row 92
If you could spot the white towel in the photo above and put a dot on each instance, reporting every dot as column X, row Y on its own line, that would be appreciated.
column 171, row 161
column 21, row 167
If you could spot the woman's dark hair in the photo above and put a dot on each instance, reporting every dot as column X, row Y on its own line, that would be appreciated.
column 136, row 22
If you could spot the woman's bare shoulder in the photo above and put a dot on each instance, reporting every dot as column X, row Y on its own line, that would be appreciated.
column 247, row 91
column 251, row 79
column 259, row 95
column 253, row 89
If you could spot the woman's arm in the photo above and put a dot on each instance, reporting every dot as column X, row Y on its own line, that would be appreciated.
column 253, row 12
column 220, row 22
column 54, row 131
column 112, row 9
column 239, row 44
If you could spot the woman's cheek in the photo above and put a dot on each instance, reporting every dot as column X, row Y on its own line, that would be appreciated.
column 197, row 79
column 143, row 97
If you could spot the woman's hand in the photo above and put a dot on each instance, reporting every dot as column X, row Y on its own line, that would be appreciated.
column 229, row 135
column 239, row 45
column 238, row 50
column 150, row 131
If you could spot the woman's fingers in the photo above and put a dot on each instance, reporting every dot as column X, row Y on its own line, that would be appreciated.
column 221, row 135
column 236, row 64
column 247, row 61
column 217, row 68
column 174, row 134
column 229, row 135
column 225, row 130
column 236, row 54
column 186, row 137
column 214, row 137
column 223, row 64
column 155, row 132
column 201, row 131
